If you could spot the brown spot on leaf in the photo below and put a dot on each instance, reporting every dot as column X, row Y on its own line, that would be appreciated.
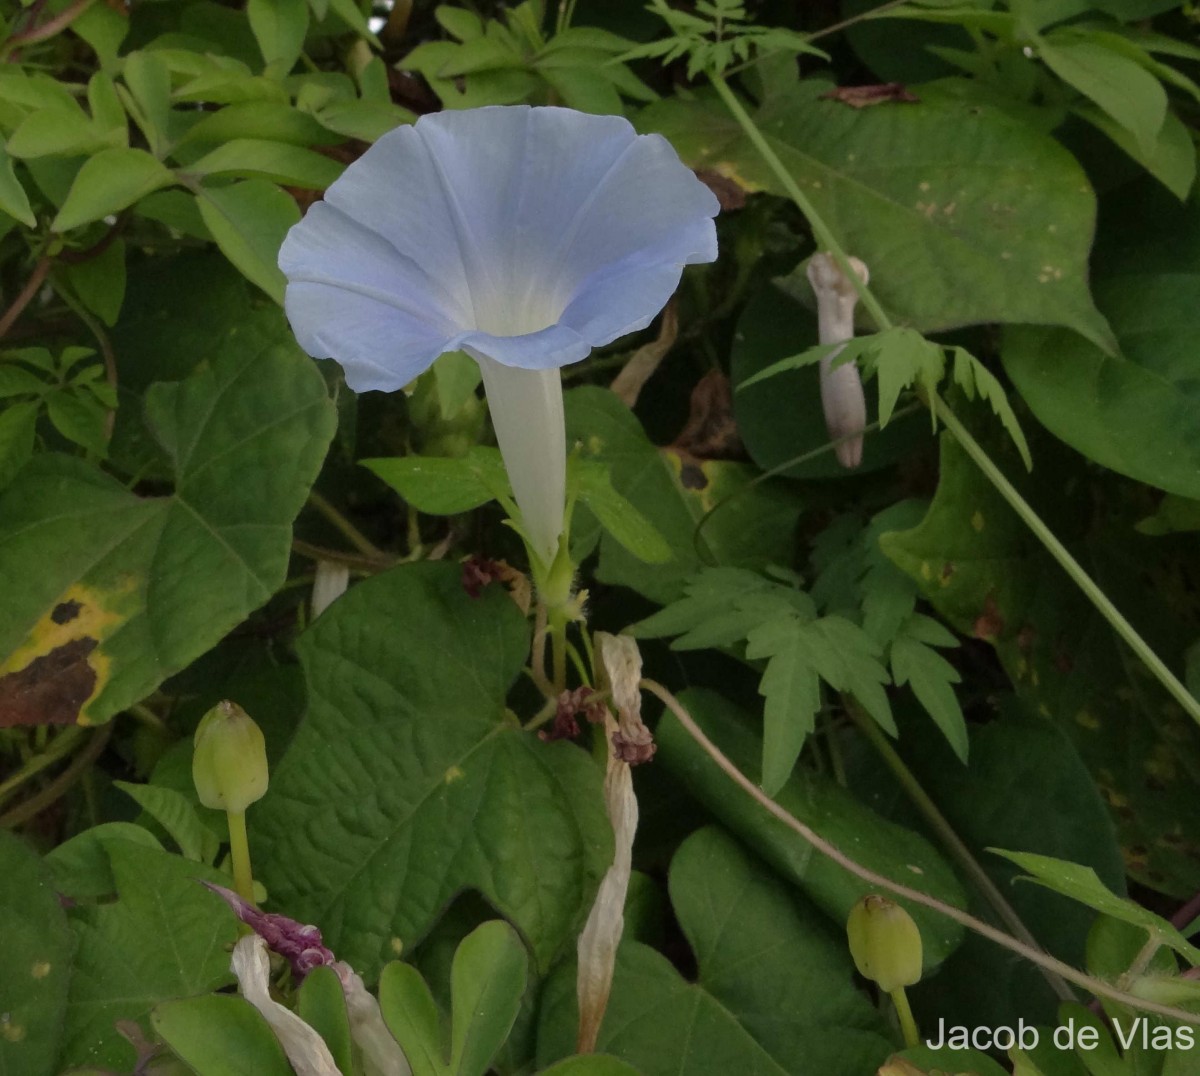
column 886, row 93
column 711, row 432
column 989, row 624
column 692, row 476
column 65, row 612
column 730, row 193
column 51, row 689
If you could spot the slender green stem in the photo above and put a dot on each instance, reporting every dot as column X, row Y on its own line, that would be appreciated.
column 908, row 1026
column 873, row 13
column 836, row 762
column 825, row 238
column 348, row 530
column 1141, row 961
column 61, row 745
column 703, row 550
column 590, row 651
column 33, row 806
column 566, row 12
column 558, row 651
column 1068, row 563
column 1095, row 986
column 537, row 654
column 952, row 842
column 549, row 709
column 147, row 717
column 580, row 668
column 939, row 407
column 239, row 854
column 369, row 565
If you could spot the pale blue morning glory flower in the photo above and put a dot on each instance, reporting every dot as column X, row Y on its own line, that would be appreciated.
column 523, row 236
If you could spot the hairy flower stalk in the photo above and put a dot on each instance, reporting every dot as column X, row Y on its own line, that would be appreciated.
column 842, row 397
column 523, row 236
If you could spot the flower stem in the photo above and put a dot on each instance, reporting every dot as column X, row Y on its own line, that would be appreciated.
column 239, row 854
column 537, row 653
column 558, row 650
column 951, row 841
column 908, row 1026
column 1093, row 985
column 1068, row 563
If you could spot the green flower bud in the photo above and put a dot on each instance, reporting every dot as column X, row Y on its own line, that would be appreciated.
column 885, row 943
column 229, row 766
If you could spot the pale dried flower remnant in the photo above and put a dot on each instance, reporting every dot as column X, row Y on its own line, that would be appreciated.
column 842, row 397
column 620, row 664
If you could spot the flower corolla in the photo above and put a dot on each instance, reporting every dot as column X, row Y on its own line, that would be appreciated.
column 523, row 236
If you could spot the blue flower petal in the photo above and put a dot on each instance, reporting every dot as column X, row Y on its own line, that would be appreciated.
column 625, row 296
column 378, row 346
column 329, row 247
column 529, row 235
column 650, row 207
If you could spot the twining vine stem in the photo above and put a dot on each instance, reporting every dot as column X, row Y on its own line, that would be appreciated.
column 1068, row 563
column 26, row 294
column 1093, row 985
column 951, row 840
column 826, row 239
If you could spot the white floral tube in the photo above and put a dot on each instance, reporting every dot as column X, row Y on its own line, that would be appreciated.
column 527, row 413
